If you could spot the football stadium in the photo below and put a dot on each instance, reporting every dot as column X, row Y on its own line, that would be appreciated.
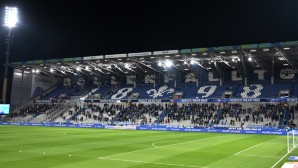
column 204, row 107
column 222, row 106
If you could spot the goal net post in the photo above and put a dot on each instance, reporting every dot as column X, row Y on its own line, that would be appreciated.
column 292, row 140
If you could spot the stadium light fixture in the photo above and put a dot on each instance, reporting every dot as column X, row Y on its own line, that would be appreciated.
column 253, row 50
column 234, row 52
column 193, row 54
column 168, row 63
column 51, row 70
column 78, row 68
column 222, row 52
column 286, row 48
column 192, row 62
column 11, row 17
column 249, row 59
column 126, row 65
column 159, row 63
column 266, row 49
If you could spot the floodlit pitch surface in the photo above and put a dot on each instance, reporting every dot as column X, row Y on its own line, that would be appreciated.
column 44, row 147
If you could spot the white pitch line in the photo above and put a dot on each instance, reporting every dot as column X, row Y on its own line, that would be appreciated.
column 282, row 158
column 259, row 156
column 159, row 146
column 248, row 148
column 136, row 161
column 153, row 144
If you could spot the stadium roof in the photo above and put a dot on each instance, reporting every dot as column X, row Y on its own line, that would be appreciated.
column 214, row 59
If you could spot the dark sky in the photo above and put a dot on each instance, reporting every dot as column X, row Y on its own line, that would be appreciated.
column 73, row 28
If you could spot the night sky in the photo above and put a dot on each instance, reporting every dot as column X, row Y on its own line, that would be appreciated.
column 71, row 28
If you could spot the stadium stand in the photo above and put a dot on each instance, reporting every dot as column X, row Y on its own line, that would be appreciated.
column 210, row 87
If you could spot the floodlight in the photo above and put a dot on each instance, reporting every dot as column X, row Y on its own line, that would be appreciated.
column 168, row 63
column 159, row 63
column 249, row 59
column 192, row 62
column 78, row 68
column 87, row 68
column 185, row 62
column 11, row 17
column 222, row 52
column 286, row 48
column 51, row 70
column 126, row 65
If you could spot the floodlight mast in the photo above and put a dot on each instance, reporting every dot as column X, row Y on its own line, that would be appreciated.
column 10, row 22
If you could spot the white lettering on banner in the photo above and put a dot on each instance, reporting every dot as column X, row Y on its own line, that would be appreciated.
column 165, row 52
column 40, row 83
column 211, row 77
column 93, row 57
column 122, row 93
column 131, row 79
column 190, row 77
column 115, row 56
column 149, row 78
column 159, row 93
column 168, row 78
column 139, row 54
column 287, row 74
column 288, row 71
column 260, row 74
column 256, row 92
column 234, row 76
column 211, row 90
column 96, row 80
column 81, row 82
column 113, row 80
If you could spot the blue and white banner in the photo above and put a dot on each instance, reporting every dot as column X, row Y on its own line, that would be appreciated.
column 268, row 131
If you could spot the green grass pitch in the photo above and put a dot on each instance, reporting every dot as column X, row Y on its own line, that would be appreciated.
column 48, row 147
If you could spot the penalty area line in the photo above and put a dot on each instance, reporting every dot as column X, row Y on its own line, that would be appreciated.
column 248, row 148
column 156, row 163
column 159, row 146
